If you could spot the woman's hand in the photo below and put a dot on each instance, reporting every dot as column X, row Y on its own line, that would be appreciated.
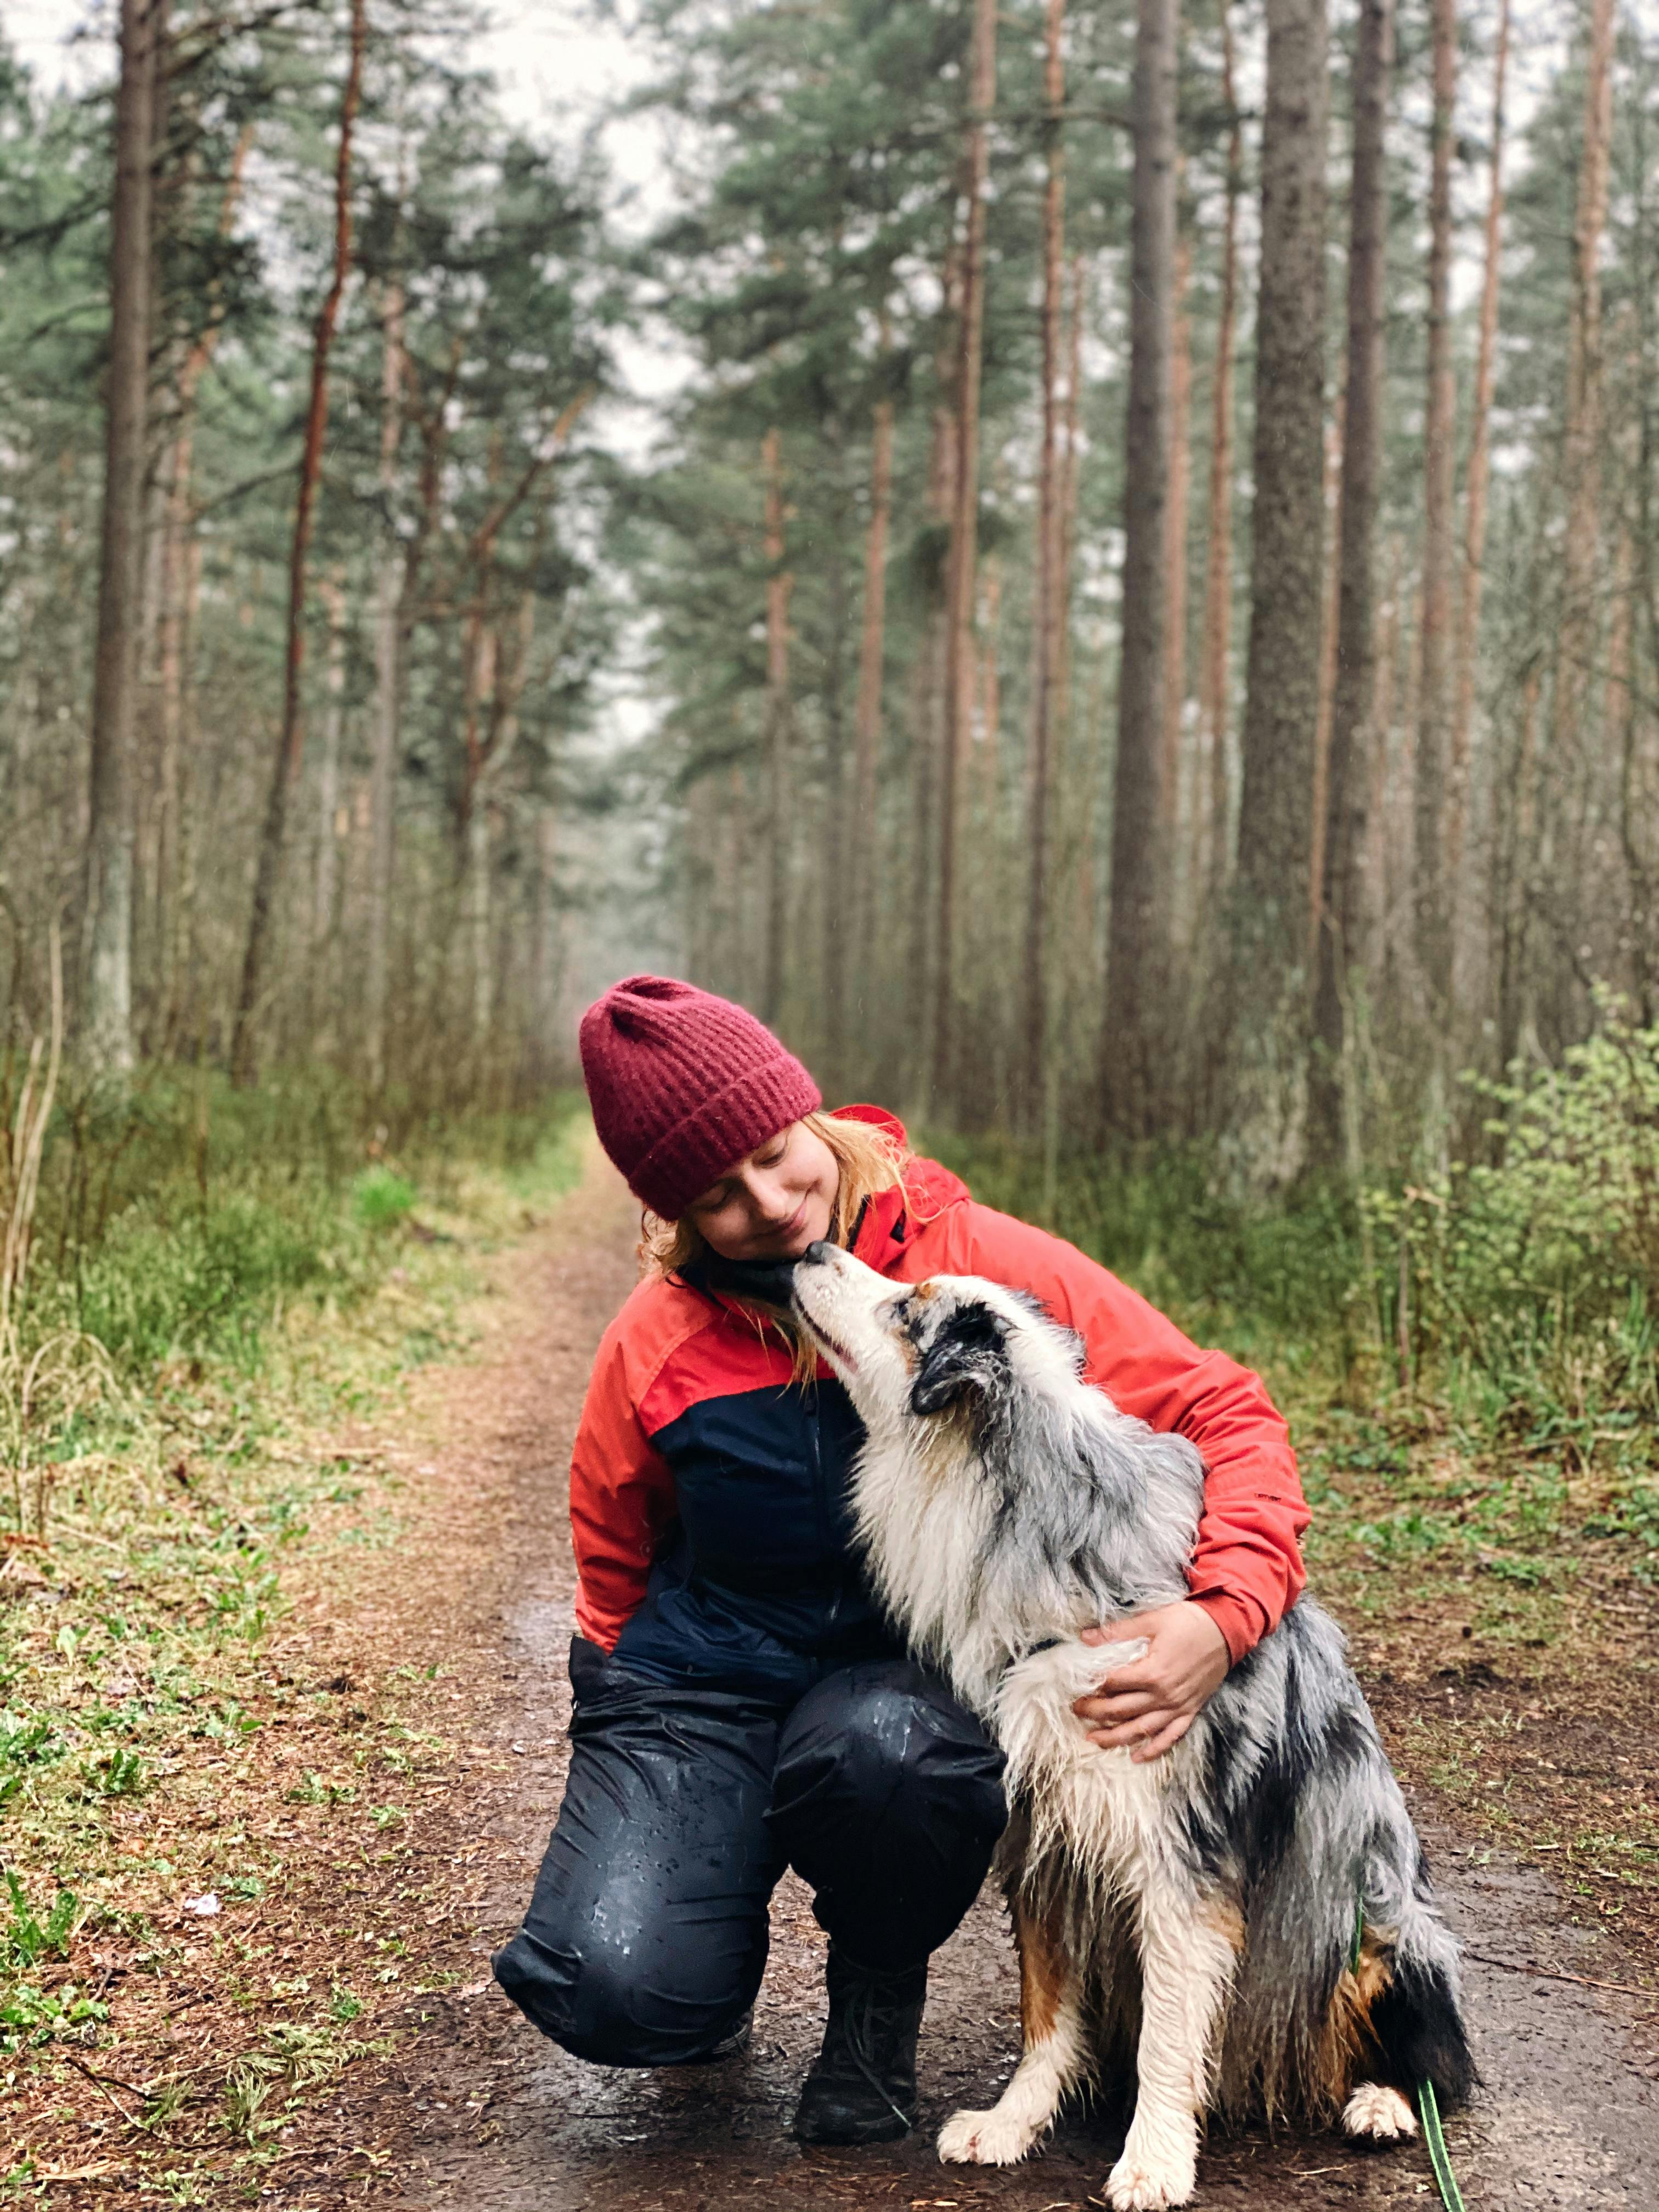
column 1150, row 1703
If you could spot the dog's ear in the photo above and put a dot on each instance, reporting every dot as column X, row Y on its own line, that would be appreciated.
column 966, row 1355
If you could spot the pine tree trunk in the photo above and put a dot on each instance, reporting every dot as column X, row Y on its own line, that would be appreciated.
column 1048, row 613
column 1267, row 1005
column 1069, row 477
column 1428, row 899
column 388, row 687
column 1356, row 734
column 331, row 592
column 1175, row 551
column 927, row 712
column 778, row 586
column 180, row 570
column 1180, row 814
column 964, row 534
column 873, row 647
column 836, row 907
column 1582, row 451
column 286, row 766
column 990, row 684
column 1475, row 492
column 476, row 906
column 1213, row 686
column 108, row 890
column 1134, row 1039
column 1327, row 634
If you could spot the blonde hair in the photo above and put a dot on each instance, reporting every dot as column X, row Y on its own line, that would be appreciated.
column 871, row 1160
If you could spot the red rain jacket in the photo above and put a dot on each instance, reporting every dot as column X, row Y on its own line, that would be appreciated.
column 690, row 1430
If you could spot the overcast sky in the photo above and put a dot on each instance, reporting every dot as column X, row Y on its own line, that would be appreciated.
column 555, row 69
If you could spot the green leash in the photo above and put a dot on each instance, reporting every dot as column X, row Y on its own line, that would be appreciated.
column 1428, row 2104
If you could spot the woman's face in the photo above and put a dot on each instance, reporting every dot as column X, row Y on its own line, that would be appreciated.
column 774, row 1202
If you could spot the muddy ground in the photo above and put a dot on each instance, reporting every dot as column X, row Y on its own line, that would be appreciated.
column 457, row 1634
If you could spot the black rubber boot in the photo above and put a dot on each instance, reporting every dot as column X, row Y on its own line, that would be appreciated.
column 862, row 2088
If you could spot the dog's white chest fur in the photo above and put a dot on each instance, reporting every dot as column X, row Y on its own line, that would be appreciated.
column 1107, row 1811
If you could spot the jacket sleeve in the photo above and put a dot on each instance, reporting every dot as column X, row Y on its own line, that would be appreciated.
column 1247, row 1568
column 622, row 1498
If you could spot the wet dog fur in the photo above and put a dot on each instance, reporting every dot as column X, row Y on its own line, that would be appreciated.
column 1195, row 1916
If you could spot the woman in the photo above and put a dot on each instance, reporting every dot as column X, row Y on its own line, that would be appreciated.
column 741, row 1706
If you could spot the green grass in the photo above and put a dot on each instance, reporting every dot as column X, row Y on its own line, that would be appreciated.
column 180, row 1353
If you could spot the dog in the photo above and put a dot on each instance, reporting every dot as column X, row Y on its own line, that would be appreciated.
column 1249, row 1917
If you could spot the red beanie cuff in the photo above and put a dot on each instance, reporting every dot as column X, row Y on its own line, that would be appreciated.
column 755, row 1106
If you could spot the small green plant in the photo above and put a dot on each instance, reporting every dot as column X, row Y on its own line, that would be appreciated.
column 118, row 1773
column 382, row 1198
column 26, row 1939
column 30, row 2017
column 314, row 1790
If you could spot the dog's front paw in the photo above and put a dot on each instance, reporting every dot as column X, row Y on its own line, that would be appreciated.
column 1378, row 2114
column 1141, row 2183
column 993, row 2138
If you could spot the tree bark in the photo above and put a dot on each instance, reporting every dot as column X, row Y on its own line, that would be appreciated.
column 1428, row 888
column 1331, row 519
column 108, row 887
column 1214, row 685
column 1175, row 547
column 331, row 592
column 1133, row 1043
column 778, row 586
column 964, row 538
column 1048, row 614
column 388, row 671
column 1475, row 501
column 872, row 646
column 1355, row 735
column 835, row 914
column 181, row 575
column 1582, row 451
column 1268, row 1002
column 286, row 765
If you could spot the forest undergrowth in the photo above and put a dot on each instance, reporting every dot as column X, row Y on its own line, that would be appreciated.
column 222, row 1283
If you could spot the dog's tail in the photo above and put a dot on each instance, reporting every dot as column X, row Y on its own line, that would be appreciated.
column 1417, row 2018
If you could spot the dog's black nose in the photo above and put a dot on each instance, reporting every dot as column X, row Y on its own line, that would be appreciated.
column 817, row 1253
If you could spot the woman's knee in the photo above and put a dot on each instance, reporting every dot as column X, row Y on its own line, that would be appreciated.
column 612, row 2007
column 886, row 1748
column 887, row 1743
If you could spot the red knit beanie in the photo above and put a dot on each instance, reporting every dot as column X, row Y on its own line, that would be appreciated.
column 682, row 1084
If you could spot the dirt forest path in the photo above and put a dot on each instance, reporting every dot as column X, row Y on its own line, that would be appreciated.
column 477, row 2113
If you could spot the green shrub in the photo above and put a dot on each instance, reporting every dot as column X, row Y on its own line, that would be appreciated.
column 1160, row 1221
column 382, row 1198
column 1522, row 1291
column 176, row 1214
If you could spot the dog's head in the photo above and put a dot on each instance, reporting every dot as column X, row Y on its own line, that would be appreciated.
column 953, row 1348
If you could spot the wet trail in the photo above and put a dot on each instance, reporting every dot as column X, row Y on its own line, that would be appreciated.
column 498, row 2120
